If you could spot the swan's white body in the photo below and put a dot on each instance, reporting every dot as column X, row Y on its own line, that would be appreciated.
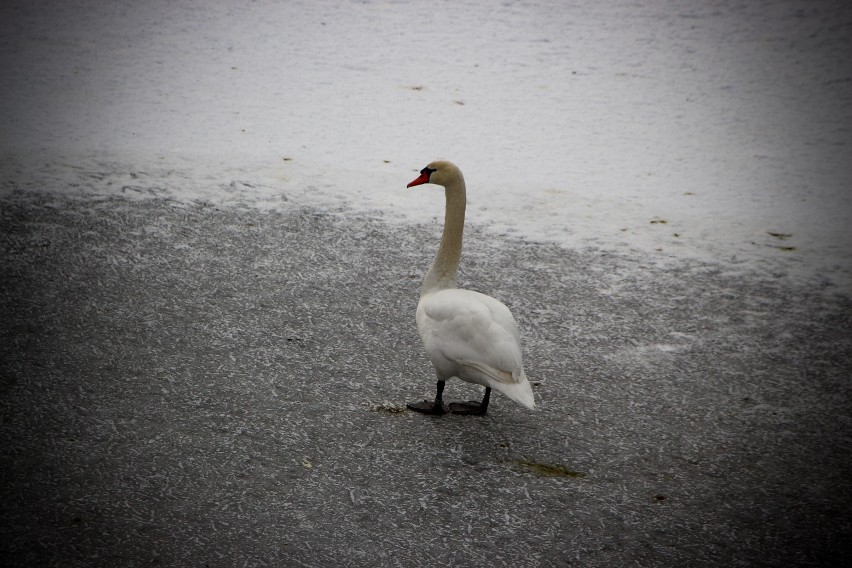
column 475, row 338
column 466, row 334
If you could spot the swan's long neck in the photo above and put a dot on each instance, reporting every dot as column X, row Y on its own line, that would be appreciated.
column 445, row 267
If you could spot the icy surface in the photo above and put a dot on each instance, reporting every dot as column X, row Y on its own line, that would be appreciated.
column 195, row 385
column 714, row 130
column 210, row 267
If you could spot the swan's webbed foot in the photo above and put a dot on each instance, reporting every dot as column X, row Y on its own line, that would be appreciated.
column 427, row 407
column 471, row 407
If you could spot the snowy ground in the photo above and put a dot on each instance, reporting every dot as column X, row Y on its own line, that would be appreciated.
column 210, row 267
column 581, row 124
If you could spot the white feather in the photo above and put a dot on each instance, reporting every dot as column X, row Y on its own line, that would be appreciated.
column 475, row 338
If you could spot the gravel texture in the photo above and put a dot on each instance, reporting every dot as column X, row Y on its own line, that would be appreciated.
column 187, row 385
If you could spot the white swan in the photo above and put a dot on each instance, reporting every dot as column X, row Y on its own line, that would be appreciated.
column 466, row 334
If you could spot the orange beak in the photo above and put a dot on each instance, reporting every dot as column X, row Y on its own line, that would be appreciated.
column 424, row 178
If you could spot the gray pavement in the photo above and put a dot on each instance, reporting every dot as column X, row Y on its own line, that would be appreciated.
column 194, row 386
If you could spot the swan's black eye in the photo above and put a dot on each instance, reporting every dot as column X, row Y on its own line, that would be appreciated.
column 427, row 171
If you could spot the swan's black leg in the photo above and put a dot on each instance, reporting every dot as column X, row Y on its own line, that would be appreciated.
column 428, row 407
column 471, row 406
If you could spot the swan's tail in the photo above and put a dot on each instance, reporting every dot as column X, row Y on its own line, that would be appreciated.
column 520, row 391
column 514, row 385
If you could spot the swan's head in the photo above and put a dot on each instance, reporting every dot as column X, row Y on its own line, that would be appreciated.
column 440, row 172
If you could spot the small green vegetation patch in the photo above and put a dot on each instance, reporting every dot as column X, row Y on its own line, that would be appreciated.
column 389, row 407
column 550, row 470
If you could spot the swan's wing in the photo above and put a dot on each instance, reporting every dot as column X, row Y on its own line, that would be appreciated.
column 471, row 329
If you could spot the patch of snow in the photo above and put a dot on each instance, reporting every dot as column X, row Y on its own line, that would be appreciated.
column 718, row 131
